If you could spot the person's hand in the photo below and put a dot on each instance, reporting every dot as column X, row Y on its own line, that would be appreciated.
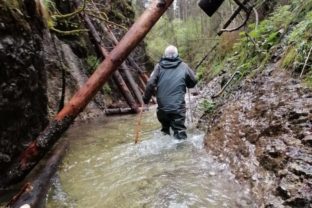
column 145, row 100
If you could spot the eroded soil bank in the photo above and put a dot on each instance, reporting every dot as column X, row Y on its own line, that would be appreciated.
column 264, row 131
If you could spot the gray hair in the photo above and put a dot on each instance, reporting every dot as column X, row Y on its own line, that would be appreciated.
column 171, row 52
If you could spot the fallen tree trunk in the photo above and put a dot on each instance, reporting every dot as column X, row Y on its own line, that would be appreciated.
column 35, row 151
column 124, row 68
column 141, row 72
column 115, row 111
column 105, row 53
column 34, row 192
column 115, row 41
column 122, row 86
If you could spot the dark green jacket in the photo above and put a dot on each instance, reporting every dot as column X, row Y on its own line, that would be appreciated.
column 170, row 78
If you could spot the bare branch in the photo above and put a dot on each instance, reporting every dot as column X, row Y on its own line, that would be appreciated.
column 306, row 62
column 64, row 16
column 68, row 32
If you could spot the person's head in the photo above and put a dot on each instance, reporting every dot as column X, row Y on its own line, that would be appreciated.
column 171, row 52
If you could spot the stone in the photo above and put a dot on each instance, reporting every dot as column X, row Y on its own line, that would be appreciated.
column 307, row 140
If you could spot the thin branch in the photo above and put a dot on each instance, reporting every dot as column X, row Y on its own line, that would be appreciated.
column 107, row 21
column 98, row 12
column 69, row 32
column 253, row 41
column 306, row 62
column 256, row 16
column 64, row 16
column 226, row 85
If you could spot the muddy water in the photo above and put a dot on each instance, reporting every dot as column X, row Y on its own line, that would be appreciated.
column 104, row 168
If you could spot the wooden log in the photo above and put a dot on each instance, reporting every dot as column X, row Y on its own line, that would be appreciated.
column 21, row 166
column 121, row 84
column 124, row 68
column 142, row 84
column 115, row 111
column 132, row 83
column 142, row 74
column 34, row 192
column 115, row 41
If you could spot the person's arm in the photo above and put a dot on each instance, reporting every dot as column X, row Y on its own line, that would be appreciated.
column 190, row 78
column 151, row 85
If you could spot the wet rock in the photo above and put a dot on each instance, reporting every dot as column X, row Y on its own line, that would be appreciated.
column 251, row 135
column 307, row 140
column 288, row 186
column 276, row 149
column 298, row 202
column 22, row 76
column 301, row 168
column 5, row 158
column 271, row 164
column 264, row 132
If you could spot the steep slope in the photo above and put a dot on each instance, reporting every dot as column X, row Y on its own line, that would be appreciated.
column 262, row 123
column 23, row 101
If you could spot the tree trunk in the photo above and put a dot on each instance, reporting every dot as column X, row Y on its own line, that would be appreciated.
column 117, row 76
column 122, row 86
column 124, row 68
column 36, row 150
column 114, row 111
column 113, row 38
column 34, row 192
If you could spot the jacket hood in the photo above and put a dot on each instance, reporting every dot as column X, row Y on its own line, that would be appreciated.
column 168, row 63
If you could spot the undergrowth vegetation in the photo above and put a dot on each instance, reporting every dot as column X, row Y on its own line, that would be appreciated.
column 207, row 106
column 285, row 34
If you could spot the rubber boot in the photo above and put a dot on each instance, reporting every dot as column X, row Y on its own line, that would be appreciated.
column 180, row 135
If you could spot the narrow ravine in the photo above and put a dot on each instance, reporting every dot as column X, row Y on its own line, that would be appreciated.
column 104, row 168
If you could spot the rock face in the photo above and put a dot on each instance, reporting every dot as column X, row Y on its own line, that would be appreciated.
column 264, row 132
column 40, row 69
column 61, row 58
column 23, row 101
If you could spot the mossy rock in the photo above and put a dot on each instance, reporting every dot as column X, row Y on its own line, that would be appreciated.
column 121, row 12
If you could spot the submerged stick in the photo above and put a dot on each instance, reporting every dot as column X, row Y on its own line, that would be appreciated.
column 138, row 126
column 190, row 104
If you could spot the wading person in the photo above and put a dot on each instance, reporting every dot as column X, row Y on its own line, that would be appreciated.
column 170, row 78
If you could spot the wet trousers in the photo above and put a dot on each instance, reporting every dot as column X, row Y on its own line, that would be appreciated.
column 175, row 121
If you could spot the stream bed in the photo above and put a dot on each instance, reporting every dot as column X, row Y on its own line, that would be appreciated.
column 104, row 168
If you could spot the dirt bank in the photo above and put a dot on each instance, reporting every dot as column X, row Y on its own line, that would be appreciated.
column 264, row 131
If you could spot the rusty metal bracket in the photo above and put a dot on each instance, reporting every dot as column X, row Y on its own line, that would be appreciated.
column 241, row 6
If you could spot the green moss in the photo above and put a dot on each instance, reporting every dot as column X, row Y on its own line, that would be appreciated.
column 121, row 12
column 289, row 57
column 107, row 89
column 92, row 62
column 12, row 4
column 308, row 80
column 302, row 30
column 208, row 106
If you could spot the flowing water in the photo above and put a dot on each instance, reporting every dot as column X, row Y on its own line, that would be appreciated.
column 104, row 168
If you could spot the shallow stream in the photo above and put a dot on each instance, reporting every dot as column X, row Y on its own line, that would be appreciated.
column 104, row 168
